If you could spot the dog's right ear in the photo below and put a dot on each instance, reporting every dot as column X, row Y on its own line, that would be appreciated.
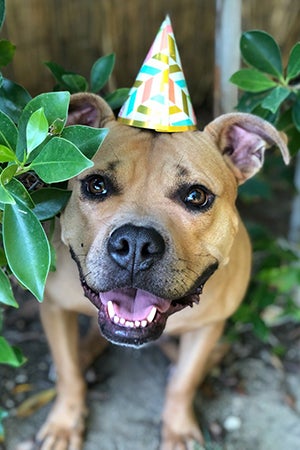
column 89, row 109
column 242, row 140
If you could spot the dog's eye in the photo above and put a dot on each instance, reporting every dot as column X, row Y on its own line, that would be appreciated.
column 198, row 198
column 95, row 186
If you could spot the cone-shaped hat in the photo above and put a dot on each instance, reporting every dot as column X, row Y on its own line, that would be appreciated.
column 159, row 98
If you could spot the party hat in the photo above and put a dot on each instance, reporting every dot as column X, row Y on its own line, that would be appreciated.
column 159, row 98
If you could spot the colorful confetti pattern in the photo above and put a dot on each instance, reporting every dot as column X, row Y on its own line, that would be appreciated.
column 159, row 98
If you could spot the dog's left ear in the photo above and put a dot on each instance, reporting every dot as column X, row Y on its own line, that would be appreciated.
column 242, row 139
column 89, row 109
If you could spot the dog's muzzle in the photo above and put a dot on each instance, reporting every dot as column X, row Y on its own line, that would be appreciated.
column 130, row 314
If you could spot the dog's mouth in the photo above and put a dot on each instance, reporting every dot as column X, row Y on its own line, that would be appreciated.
column 133, row 317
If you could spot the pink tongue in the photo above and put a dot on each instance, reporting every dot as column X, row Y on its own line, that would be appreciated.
column 134, row 304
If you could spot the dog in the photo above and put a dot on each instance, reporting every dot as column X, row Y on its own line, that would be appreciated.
column 154, row 234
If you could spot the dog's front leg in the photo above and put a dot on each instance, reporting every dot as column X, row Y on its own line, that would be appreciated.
column 65, row 424
column 179, row 422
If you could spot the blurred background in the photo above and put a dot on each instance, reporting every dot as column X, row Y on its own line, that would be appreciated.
column 74, row 34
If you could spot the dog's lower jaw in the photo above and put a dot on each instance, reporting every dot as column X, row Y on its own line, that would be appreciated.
column 135, row 331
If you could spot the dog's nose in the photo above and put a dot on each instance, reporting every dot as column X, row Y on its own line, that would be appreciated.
column 135, row 248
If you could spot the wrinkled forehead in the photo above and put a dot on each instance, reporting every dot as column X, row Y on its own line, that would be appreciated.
column 190, row 157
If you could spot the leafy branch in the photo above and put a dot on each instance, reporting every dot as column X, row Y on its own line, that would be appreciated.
column 272, row 92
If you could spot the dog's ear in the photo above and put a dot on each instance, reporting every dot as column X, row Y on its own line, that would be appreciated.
column 89, row 109
column 242, row 139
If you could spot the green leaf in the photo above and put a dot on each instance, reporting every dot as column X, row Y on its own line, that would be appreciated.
column 273, row 101
column 8, row 131
column 7, row 174
column 55, row 106
column 252, row 80
column 13, row 99
column 75, row 83
column 56, row 127
column 10, row 355
column 7, row 51
column 6, row 293
column 57, row 71
column 36, row 129
column 59, row 160
column 101, row 71
column 26, row 247
column 86, row 139
column 293, row 68
column 2, row 12
column 5, row 196
column 117, row 98
column 249, row 101
column 259, row 50
column 20, row 193
column 6, row 154
column 49, row 202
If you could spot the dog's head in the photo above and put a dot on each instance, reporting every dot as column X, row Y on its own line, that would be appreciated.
column 155, row 216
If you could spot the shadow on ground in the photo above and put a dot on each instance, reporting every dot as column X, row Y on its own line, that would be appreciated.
column 251, row 402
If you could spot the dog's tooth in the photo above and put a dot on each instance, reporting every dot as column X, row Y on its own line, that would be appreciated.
column 116, row 319
column 137, row 323
column 152, row 314
column 129, row 324
column 110, row 309
column 144, row 323
column 122, row 321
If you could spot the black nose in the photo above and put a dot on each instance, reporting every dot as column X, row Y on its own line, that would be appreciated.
column 135, row 248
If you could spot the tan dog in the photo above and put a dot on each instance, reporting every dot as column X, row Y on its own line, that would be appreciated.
column 150, row 224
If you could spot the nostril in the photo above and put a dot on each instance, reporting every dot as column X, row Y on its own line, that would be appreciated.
column 121, row 246
column 139, row 247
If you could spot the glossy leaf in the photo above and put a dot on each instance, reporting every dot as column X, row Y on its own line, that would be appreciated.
column 249, row 101
column 8, row 131
column 5, row 196
column 6, row 154
column 252, row 80
column 101, row 71
column 7, row 174
column 7, row 51
column 75, row 83
column 6, row 293
column 293, row 68
column 11, row 356
column 49, row 202
column 26, row 247
column 117, row 98
column 59, row 160
column 273, row 101
column 36, row 129
column 13, row 99
column 55, row 105
column 20, row 193
column 87, row 139
column 259, row 50
column 56, row 70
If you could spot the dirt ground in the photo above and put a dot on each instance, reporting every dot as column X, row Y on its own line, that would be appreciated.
column 250, row 402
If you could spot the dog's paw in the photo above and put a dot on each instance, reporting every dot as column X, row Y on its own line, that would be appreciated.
column 181, row 433
column 62, row 431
